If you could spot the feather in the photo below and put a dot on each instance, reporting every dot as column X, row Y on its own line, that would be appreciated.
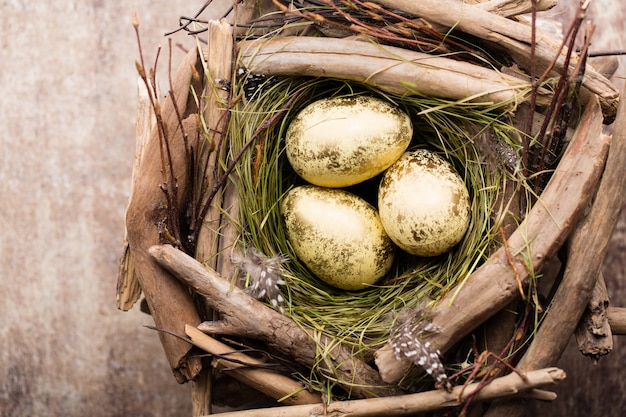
column 407, row 336
column 264, row 275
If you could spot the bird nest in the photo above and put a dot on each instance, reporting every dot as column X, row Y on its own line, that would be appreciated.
column 207, row 243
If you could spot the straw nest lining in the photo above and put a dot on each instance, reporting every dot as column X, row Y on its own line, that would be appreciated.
column 364, row 319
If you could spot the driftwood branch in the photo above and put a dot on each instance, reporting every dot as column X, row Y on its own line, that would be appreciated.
column 537, row 239
column 219, row 61
column 169, row 301
column 515, row 37
column 242, row 315
column 411, row 404
column 392, row 69
column 270, row 383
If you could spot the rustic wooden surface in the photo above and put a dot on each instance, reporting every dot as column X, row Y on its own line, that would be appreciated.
column 67, row 113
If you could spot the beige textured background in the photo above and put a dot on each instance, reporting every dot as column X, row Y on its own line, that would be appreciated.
column 67, row 111
column 67, row 85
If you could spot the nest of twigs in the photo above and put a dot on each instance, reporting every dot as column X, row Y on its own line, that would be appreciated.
column 479, row 144
column 514, row 127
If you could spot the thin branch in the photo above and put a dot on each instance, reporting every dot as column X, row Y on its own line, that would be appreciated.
column 424, row 402
column 171, row 225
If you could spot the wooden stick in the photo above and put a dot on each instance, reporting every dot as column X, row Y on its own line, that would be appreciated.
column 617, row 320
column 270, row 383
column 169, row 301
column 244, row 316
column 219, row 61
column 515, row 37
column 218, row 71
column 392, row 69
column 494, row 284
column 411, row 404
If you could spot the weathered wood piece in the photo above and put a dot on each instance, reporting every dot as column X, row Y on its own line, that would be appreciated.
column 593, row 333
column 128, row 288
column 515, row 37
column 541, row 234
column 270, row 383
column 169, row 300
column 413, row 404
column 219, row 62
column 244, row 316
column 218, row 71
column 392, row 69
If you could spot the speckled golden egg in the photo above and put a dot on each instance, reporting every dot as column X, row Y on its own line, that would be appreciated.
column 337, row 235
column 424, row 204
column 341, row 141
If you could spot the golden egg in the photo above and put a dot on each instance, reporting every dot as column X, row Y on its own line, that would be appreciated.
column 424, row 204
column 341, row 141
column 337, row 235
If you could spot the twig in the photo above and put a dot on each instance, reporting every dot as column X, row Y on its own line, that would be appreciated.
column 617, row 320
column 509, row 258
column 170, row 226
column 385, row 26
column 566, row 87
column 526, row 139
column 411, row 404
column 594, row 54
column 269, row 382
column 205, row 222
